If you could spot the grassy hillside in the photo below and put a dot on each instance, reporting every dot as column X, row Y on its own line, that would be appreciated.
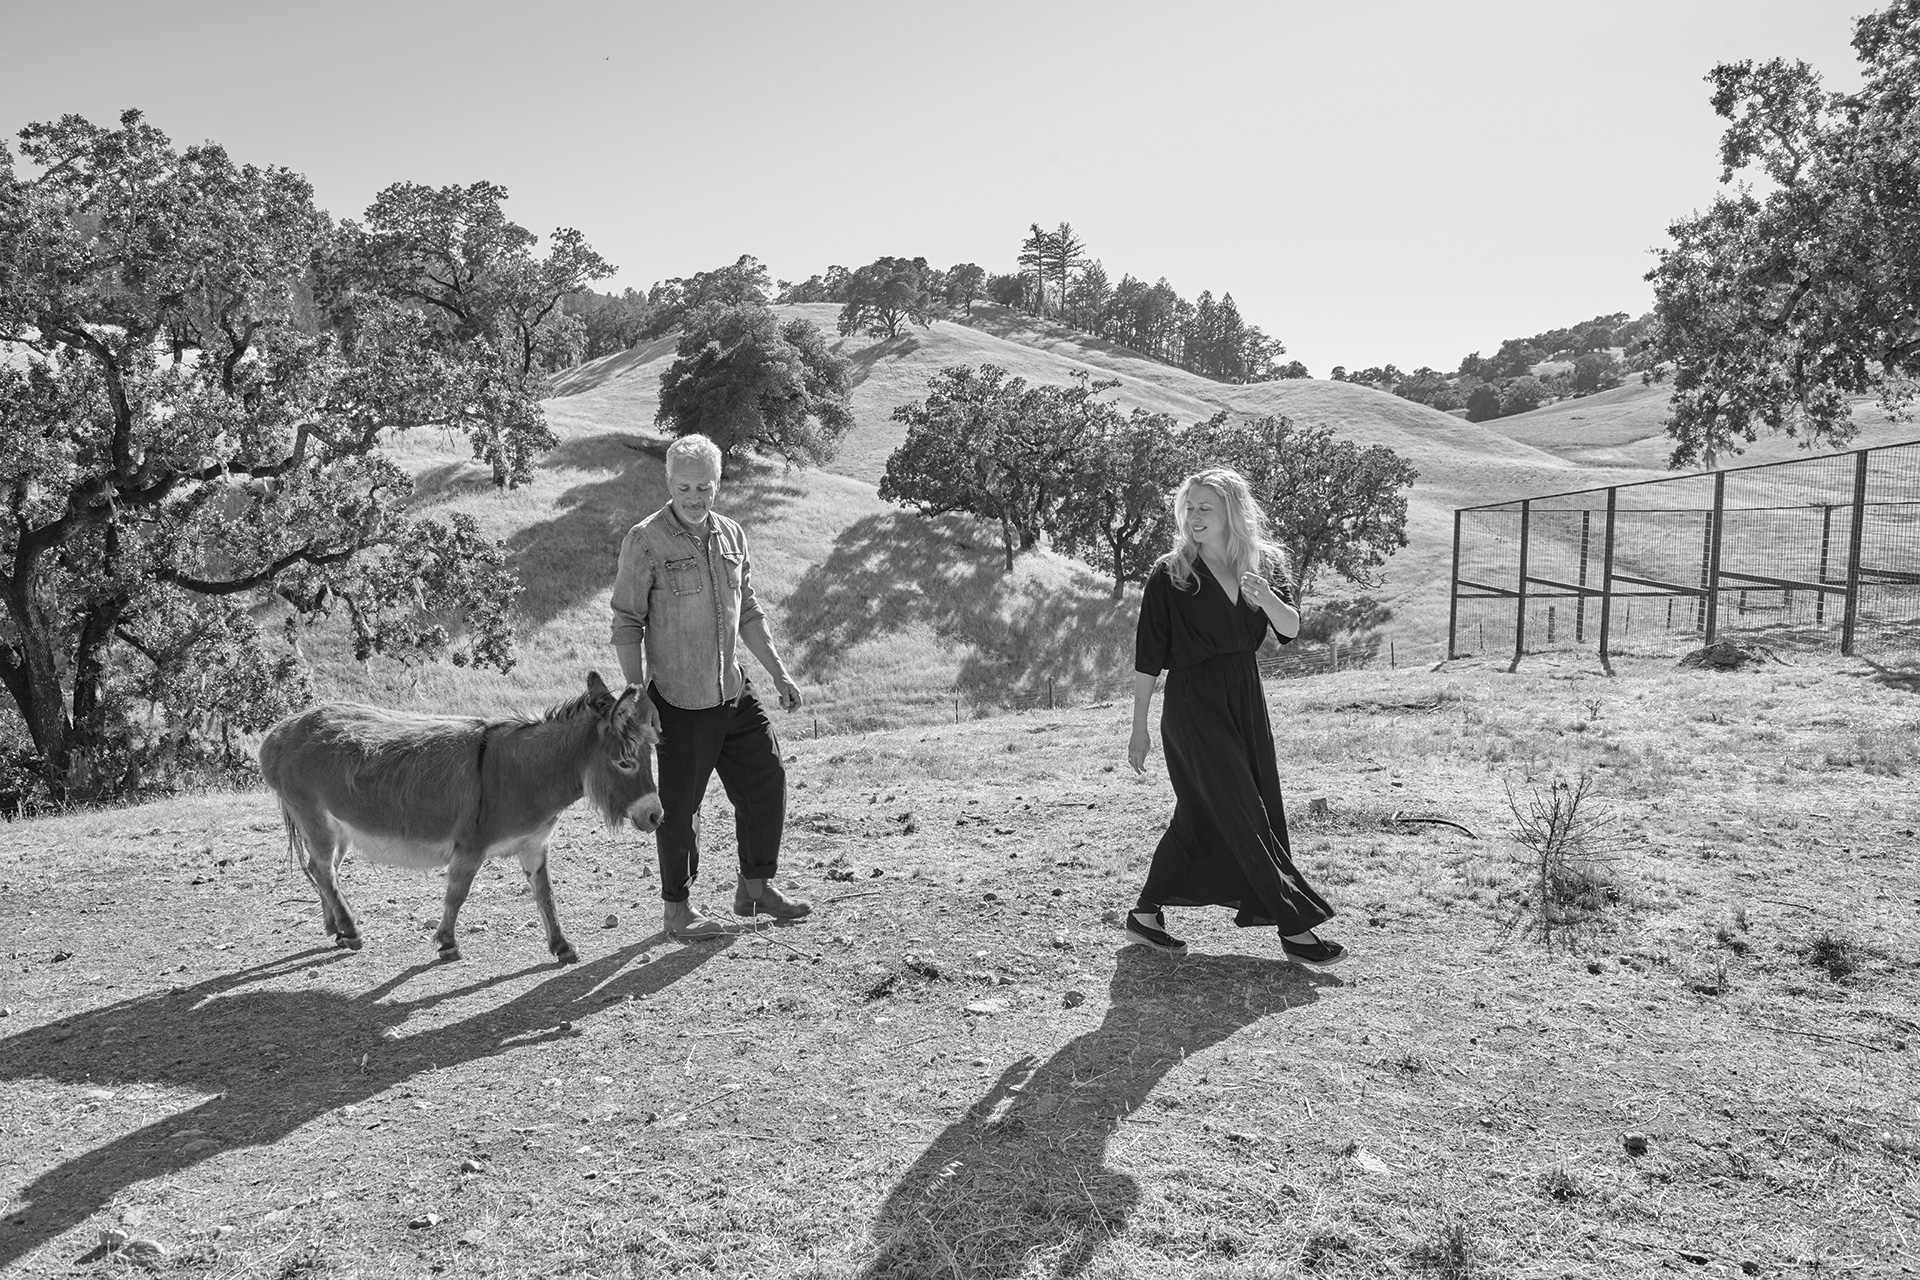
column 1625, row 427
column 886, row 616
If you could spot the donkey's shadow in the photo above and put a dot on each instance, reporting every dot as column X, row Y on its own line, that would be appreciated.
column 226, row 1035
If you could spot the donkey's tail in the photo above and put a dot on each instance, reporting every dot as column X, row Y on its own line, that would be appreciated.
column 297, row 848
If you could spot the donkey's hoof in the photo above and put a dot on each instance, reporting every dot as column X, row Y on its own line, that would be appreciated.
column 449, row 953
column 565, row 954
column 351, row 941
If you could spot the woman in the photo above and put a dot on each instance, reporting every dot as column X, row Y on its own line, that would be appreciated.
column 1206, row 608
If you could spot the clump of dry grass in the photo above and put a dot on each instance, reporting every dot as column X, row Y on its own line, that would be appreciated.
column 1840, row 956
column 1448, row 1249
column 1568, row 874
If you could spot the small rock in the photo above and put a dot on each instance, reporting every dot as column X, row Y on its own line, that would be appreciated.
column 425, row 1220
column 990, row 896
column 988, row 1006
column 1073, row 999
column 1594, row 966
column 198, row 1146
column 1110, row 916
column 470, row 1165
column 566, row 1026
column 1749, row 1267
column 222, row 1231
column 141, row 1247
column 612, row 922
column 6, row 1011
column 390, row 1033
column 1369, row 1161
column 981, row 1062
column 1634, row 1143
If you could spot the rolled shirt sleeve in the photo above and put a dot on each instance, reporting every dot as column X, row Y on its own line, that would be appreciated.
column 632, row 584
column 749, row 603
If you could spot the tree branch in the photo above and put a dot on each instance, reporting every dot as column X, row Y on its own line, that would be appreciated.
column 207, row 587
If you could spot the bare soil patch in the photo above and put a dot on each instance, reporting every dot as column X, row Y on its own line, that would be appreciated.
column 958, row 1070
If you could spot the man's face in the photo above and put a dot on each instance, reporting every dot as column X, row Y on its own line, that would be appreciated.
column 691, row 485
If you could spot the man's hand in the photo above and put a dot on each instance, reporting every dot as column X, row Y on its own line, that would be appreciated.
column 789, row 693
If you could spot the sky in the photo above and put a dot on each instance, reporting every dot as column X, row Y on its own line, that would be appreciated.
column 1374, row 181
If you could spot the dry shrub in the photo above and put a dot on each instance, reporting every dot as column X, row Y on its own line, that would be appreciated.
column 1567, row 877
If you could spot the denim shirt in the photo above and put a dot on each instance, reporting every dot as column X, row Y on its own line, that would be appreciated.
column 685, row 606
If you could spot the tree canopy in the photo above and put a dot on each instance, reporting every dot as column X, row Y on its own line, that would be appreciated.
column 201, row 372
column 890, row 292
column 751, row 383
column 1781, row 301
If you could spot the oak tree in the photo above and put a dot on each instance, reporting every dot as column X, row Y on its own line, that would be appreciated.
column 190, row 459
column 750, row 382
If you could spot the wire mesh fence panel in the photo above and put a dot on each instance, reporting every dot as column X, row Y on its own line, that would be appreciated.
column 1817, row 552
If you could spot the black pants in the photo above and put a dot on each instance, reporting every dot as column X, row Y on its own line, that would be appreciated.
column 735, row 739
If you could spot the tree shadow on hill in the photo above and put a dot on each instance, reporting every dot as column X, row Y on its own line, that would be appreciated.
column 567, row 560
column 227, row 1035
column 891, row 572
column 597, row 373
column 860, row 364
column 1022, row 1177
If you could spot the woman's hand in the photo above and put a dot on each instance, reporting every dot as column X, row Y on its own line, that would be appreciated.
column 1137, row 748
column 1260, row 591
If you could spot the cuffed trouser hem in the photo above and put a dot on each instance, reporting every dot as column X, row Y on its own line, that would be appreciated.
column 735, row 740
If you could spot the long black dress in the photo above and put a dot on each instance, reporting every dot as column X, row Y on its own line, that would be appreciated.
column 1227, row 843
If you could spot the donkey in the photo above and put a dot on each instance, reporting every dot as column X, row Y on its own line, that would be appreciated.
column 428, row 791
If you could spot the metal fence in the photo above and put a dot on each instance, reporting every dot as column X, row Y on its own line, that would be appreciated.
column 1811, row 552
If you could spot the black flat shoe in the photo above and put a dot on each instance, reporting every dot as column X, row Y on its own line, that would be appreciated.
column 1153, row 935
column 1318, row 954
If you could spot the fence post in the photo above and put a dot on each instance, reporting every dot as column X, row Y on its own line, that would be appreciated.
column 1453, row 604
column 1699, row 604
column 1713, row 554
column 1580, row 602
column 1520, row 606
column 1392, row 662
column 1853, row 551
column 1049, row 693
column 1606, row 585
column 1826, row 542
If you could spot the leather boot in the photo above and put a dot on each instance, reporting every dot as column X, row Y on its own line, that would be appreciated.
column 763, row 898
column 686, row 922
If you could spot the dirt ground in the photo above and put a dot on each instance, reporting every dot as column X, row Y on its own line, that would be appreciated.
column 957, row 1069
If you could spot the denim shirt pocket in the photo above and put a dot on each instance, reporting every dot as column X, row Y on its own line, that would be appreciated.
column 683, row 576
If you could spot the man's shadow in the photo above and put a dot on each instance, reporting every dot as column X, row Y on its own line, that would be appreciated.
column 1022, row 1175
column 275, row 1060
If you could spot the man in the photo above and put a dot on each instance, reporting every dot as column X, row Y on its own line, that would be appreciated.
column 683, row 604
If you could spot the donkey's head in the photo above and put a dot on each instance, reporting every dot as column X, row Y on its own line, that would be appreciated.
column 619, row 772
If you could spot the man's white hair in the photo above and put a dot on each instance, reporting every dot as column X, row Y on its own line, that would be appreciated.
column 693, row 446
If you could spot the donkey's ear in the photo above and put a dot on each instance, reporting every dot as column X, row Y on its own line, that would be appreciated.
column 597, row 692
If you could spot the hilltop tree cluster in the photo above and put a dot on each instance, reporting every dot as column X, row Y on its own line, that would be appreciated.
column 198, row 371
column 1059, row 462
column 1056, row 279
column 1580, row 361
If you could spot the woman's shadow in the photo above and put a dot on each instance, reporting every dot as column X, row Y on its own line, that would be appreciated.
column 1022, row 1176
column 276, row 1059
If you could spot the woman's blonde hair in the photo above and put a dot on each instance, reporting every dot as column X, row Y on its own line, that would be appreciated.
column 1248, row 549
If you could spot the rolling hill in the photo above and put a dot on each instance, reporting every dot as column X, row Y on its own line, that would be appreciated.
column 889, row 618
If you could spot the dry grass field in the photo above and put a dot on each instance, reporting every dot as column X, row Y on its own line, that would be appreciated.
column 956, row 1069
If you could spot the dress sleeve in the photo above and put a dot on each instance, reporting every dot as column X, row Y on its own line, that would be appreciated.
column 1150, row 639
column 1285, row 592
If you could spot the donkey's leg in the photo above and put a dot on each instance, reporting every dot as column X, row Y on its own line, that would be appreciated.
column 460, row 872
column 324, row 850
column 534, row 863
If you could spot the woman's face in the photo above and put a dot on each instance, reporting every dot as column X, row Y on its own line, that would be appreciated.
column 1206, row 517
